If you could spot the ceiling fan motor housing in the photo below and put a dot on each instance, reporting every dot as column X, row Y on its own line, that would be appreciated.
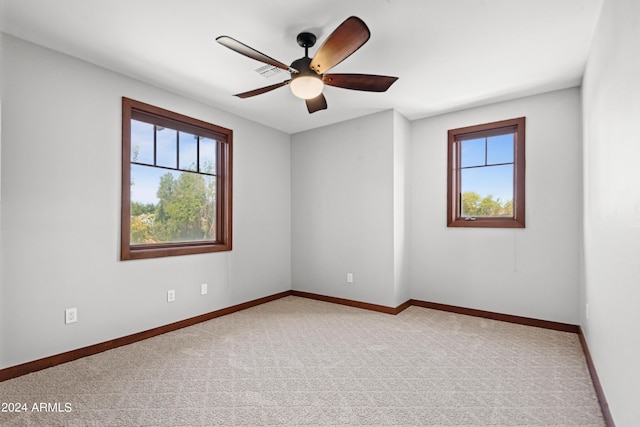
column 306, row 83
column 303, row 65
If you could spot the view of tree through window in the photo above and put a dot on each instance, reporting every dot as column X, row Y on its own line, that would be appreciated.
column 486, row 164
column 176, row 184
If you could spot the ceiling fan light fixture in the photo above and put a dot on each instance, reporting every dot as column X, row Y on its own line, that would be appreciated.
column 306, row 86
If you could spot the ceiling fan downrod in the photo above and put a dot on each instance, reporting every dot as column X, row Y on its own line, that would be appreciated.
column 306, row 40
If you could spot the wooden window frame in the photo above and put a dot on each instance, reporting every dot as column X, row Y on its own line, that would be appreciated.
column 454, row 219
column 224, row 137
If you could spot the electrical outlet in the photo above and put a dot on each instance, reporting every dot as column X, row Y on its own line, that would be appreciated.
column 171, row 295
column 203, row 289
column 349, row 278
column 586, row 311
column 70, row 315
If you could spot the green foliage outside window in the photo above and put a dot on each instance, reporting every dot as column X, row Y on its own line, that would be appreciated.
column 474, row 205
column 185, row 211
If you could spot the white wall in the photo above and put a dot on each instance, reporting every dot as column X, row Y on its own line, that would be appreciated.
column 350, row 209
column 611, row 94
column 2, row 345
column 342, row 209
column 532, row 272
column 61, row 148
column 401, row 185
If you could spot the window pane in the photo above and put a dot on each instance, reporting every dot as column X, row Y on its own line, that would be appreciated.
column 144, row 183
column 141, row 142
column 171, row 206
column 500, row 149
column 472, row 152
column 487, row 191
column 208, row 217
column 188, row 152
column 144, row 203
column 166, row 144
column 208, row 152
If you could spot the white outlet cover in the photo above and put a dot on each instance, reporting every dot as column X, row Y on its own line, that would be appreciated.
column 586, row 311
column 203, row 289
column 70, row 315
column 171, row 296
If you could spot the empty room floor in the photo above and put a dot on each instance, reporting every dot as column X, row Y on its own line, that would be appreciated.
column 297, row 361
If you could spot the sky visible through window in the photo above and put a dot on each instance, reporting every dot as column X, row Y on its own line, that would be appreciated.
column 487, row 166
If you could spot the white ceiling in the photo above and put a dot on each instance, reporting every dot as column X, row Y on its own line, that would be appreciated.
column 448, row 54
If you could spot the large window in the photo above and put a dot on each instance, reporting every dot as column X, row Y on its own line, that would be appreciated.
column 176, row 184
column 486, row 171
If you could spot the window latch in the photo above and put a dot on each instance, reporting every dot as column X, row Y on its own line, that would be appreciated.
column 469, row 218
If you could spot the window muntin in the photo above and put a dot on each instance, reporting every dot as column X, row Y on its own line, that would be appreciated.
column 486, row 175
column 176, row 191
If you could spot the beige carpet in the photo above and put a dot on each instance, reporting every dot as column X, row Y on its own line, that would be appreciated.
column 297, row 361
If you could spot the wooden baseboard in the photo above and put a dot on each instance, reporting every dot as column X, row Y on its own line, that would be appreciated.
column 47, row 362
column 604, row 406
column 528, row 321
column 352, row 303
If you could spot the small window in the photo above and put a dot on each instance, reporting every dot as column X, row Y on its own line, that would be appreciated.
column 485, row 185
column 176, row 184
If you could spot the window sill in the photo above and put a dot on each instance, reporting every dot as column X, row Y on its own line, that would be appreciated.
column 156, row 251
column 487, row 223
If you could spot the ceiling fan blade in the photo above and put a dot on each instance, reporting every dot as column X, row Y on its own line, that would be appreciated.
column 245, row 50
column 316, row 104
column 368, row 82
column 346, row 39
column 261, row 90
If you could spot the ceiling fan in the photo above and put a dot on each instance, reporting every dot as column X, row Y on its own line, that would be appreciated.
column 308, row 74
